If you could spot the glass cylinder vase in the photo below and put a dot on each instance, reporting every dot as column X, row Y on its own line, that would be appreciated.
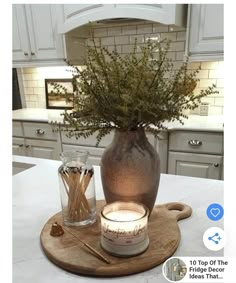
column 76, row 181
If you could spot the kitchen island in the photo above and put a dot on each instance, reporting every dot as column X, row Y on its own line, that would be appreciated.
column 36, row 198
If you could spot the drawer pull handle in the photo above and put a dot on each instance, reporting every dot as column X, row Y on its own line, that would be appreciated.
column 216, row 165
column 27, row 146
column 40, row 132
column 21, row 145
column 195, row 142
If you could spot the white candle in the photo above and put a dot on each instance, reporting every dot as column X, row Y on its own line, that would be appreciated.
column 124, row 215
column 124, row 228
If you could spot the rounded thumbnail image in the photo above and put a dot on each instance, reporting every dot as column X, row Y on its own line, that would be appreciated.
column 174, row 269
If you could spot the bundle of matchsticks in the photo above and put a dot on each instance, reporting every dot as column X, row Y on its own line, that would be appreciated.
column 76, row 181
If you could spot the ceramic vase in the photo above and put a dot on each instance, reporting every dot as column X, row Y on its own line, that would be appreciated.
column 130, row 169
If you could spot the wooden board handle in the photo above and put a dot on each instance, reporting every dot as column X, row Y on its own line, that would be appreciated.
column 180, row 210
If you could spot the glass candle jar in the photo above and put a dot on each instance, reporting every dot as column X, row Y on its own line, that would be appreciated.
column 124, row 228
column 77, row 191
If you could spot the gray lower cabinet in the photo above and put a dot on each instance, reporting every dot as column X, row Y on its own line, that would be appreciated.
column 195, row 165
column 88, row 144
column 35, row 140
column 35, row 148
column 95, row 153
column 196, row 154
column 42, row 149
column 188, row 153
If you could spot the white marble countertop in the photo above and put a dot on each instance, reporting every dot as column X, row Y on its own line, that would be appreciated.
column 36, row 198
column 194, row 122
column 37, row 115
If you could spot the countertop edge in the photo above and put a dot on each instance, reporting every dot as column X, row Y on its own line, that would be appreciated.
column 193, row 123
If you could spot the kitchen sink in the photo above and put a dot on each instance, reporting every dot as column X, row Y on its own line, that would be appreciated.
column 18, row 167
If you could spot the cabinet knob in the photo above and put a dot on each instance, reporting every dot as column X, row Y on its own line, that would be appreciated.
column 32, row 53
column 216, row 165
column 27, row 146
column 26, row 54
column 195, row 142
column 21, row 145
column 40, row 132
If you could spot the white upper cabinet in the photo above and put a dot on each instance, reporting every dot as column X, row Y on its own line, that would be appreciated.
column 20, row 40
column 36, row 40
column 206, row 32
column 76, row 15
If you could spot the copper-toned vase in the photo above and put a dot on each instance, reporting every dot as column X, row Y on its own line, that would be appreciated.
column 130, row 169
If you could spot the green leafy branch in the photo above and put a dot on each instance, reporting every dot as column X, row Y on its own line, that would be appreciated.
column 140, row 89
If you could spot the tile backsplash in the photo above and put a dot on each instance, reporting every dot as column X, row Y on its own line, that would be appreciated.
column 123, row 36
column 34, row 83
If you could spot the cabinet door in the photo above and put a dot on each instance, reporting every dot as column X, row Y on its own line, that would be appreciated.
column 42, row 149
column 45, row 42
column 35, row 33
column 20, row 40
column 206, row 33
column 195, row 165
column 18, row 146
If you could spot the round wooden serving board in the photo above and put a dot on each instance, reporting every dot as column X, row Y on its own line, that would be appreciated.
column 68, row 253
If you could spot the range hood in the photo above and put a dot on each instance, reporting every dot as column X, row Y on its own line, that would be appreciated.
column 78, row 17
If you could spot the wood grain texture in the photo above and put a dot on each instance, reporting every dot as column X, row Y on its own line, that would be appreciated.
column 68, row 253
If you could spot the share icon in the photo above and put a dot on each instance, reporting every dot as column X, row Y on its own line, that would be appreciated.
column 212, row 238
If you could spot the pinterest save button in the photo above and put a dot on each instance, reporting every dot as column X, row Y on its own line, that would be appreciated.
column 215, row 211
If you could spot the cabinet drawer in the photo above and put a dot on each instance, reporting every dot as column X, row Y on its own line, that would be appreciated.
column 17, row 129
column 39, row 131
column 91, row 140
column 196, row 142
